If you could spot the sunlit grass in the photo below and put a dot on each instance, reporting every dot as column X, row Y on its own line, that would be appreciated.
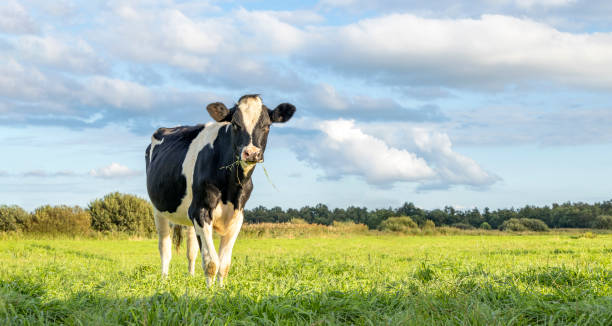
column 483, row 280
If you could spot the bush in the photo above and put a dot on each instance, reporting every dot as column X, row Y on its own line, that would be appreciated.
column 512, row 224
column 13, row 218
column 398, row 224
column 603, row 222
column 59, row 220
column 462, row 226
column 533, row 224
column 485, row 226
column 523, row 224
column 118, row 212
column 429, row 225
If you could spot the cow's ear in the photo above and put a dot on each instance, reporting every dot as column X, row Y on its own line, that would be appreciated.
column 219, row 112
column 282, row 113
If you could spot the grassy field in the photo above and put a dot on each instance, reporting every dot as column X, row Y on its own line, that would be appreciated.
column 364, row 280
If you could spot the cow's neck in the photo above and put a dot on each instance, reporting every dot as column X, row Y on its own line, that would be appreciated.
column 236, row 180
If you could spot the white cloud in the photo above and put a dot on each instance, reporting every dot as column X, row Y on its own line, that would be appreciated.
column 115, row 170
column 346, row 150
column 118, row 93
column 444, row 7
column 73, row 55
column 452, row 167
column 326, row 96
column 542, row 3
column 15, row 19
column 27, row 84
column 384, row 153
column 262, row 31
column 326, row 102
column 163, row 35
column 297, row 17
column 406, row 50
column 46, row 174
column 281, row 54
column 492, row 51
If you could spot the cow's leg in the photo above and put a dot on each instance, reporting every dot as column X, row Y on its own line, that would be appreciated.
column 226, row 246
column 192, row 248
column 203, row 228
column 164, row 242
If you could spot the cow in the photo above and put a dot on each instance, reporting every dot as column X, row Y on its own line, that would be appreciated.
column 200, row 177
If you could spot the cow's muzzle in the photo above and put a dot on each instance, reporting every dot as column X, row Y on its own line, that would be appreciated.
column 251, row 154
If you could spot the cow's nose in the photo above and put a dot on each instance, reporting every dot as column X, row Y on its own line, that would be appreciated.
column 250, row 154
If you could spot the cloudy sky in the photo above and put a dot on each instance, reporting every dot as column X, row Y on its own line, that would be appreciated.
column 494, row 103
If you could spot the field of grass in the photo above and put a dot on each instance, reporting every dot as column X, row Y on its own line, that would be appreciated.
column 362, row 279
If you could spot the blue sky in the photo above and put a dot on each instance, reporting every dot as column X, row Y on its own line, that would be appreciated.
column 496, row 103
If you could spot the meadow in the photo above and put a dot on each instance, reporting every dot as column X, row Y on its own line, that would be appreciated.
column 353, row 279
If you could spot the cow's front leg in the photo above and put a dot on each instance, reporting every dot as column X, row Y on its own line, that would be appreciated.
column 227, row 244
column 202, row 222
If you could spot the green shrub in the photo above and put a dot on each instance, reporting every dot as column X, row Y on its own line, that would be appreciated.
column 533, row 224
column 13, row 218
column 59, row 220
column 428, row 225
column 513, row 224
column 603, row 222
column 118, row 212
column 523, row 224
column 485, row 226
column 398, row 224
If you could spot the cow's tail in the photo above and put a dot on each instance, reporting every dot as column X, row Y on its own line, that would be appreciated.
column 177, row 236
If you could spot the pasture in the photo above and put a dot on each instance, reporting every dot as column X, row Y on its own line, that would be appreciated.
column 359, row 279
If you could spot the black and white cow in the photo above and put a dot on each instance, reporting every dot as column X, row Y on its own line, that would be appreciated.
column 200, row 176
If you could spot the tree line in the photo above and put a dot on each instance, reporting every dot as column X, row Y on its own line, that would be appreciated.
column 565, row 215
column 128, row 214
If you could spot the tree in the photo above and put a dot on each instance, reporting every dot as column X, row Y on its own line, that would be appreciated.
column 603, row 222
column 13, row 218
column 474, row 217
column 59, row 220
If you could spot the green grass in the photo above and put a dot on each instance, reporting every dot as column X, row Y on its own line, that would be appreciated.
column 364, row 280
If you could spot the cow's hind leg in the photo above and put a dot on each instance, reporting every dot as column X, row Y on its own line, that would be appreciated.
column 226, row 246
column 164, row 242
column 192, row 248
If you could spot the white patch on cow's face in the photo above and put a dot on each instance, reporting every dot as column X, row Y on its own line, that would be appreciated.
column 250, row 108
column 154, row 142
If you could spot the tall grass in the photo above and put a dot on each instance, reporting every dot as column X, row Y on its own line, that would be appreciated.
column 300, row 230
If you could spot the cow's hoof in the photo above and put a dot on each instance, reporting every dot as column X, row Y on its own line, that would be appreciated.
column 211, row 269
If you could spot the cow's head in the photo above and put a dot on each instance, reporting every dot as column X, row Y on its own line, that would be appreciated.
column 251, row 122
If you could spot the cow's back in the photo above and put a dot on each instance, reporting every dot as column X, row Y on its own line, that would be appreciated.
column 166, row 183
